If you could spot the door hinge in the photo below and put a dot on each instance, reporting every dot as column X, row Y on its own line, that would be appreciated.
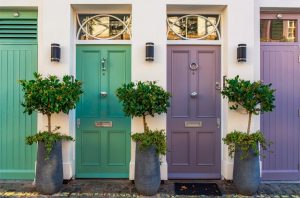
column 298, row 166
column 78, row 123
column 299, row 58
column 218, row 123
column 298, row 112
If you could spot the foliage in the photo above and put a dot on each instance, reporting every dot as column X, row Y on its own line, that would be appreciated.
column 255, row 97
column 143, row 98
column 156, row 138
column 50, row 95
column 249, row 95
column 140, row 100
column 245, row 142
column 48, row 138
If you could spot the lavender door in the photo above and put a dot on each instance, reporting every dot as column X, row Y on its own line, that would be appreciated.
column 193, row 121
column 280, row 66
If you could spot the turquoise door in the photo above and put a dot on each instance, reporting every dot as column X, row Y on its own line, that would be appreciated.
column 18, row 60
column 102, row 130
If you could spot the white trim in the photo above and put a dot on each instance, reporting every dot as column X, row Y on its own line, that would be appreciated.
column 194, row 42
column 104, row 42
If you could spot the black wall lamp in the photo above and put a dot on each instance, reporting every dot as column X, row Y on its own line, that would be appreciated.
column 242, row 53
column 149, row 51
column 55, row 52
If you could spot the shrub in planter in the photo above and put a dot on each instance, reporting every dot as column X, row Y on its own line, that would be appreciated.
column 254, row 98
column 49, row 95
column 143, row 99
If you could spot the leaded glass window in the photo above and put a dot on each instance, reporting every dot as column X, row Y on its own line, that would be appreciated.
column 103, row 27
column 197, row 27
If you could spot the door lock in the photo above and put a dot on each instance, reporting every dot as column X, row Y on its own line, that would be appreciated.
column 218, row 86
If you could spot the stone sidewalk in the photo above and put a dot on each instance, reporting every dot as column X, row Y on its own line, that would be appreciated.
column 125, row 188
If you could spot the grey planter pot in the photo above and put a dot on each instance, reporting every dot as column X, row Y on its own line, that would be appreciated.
column 49, row 173
column 246, row 173
column 147, row 171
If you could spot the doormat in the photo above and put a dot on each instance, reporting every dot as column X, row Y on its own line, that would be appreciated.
column 197, row 189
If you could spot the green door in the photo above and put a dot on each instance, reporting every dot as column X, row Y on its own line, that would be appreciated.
column 102, row 130
column 18, row 60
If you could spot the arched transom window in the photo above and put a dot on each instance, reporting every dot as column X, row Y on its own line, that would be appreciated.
column 193, row 27
column 103, row 27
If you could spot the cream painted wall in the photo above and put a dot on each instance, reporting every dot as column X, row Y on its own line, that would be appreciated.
column 240, row 24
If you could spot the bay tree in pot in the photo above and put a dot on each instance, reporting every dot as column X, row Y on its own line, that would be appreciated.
column 144, row 99
column 49, row 95
column 254, row 98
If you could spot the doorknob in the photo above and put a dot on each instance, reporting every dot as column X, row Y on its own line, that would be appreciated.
column 103, row 93
column 103, row 64
column 194, row 94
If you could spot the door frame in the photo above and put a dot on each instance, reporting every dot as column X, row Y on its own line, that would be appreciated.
column 221, row 77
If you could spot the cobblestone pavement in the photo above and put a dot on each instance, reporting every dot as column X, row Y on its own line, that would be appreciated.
column 125, row 188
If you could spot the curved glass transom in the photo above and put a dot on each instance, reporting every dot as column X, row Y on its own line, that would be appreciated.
column 103, row 27
column 193, row 26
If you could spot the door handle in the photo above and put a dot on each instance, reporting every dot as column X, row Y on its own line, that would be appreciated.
column 218, row 123
column 103, row 64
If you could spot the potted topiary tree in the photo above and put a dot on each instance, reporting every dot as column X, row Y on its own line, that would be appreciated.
column 254, row 98
column 49, row 95
column 143, row 99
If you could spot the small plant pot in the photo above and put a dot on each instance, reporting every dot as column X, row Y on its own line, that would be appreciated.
column 147, row 171
column 49, row 172
column 246, row 172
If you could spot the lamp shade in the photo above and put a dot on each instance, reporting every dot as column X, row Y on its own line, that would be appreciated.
column 55, row 52
column 149, row 51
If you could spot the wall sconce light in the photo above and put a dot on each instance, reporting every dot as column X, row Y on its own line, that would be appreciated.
column 278, row 16
column 242, row 53
column 55, row 52
column 149, row 51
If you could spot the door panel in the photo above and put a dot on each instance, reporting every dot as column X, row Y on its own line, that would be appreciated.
column 102, row 152
column 16, row 158
column 193, row 135
column 280, row 66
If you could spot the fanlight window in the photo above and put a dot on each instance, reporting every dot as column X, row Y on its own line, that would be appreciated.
column 103, row 27
column 197, row 27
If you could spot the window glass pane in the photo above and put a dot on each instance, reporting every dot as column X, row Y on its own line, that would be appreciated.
column 109, row 27
column 201, row 27
column 278, row 30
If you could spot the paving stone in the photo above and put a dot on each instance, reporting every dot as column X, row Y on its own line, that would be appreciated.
column 124, row 188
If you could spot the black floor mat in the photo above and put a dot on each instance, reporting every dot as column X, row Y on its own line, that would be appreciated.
column 197, row 189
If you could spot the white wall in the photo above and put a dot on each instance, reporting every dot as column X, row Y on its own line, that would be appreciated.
column 240, row 25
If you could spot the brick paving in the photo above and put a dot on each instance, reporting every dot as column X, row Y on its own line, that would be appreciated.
column 125, row 188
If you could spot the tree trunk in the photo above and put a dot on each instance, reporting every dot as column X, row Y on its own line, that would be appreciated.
column 145, row 124
column 249, row 122
column 49, row 122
